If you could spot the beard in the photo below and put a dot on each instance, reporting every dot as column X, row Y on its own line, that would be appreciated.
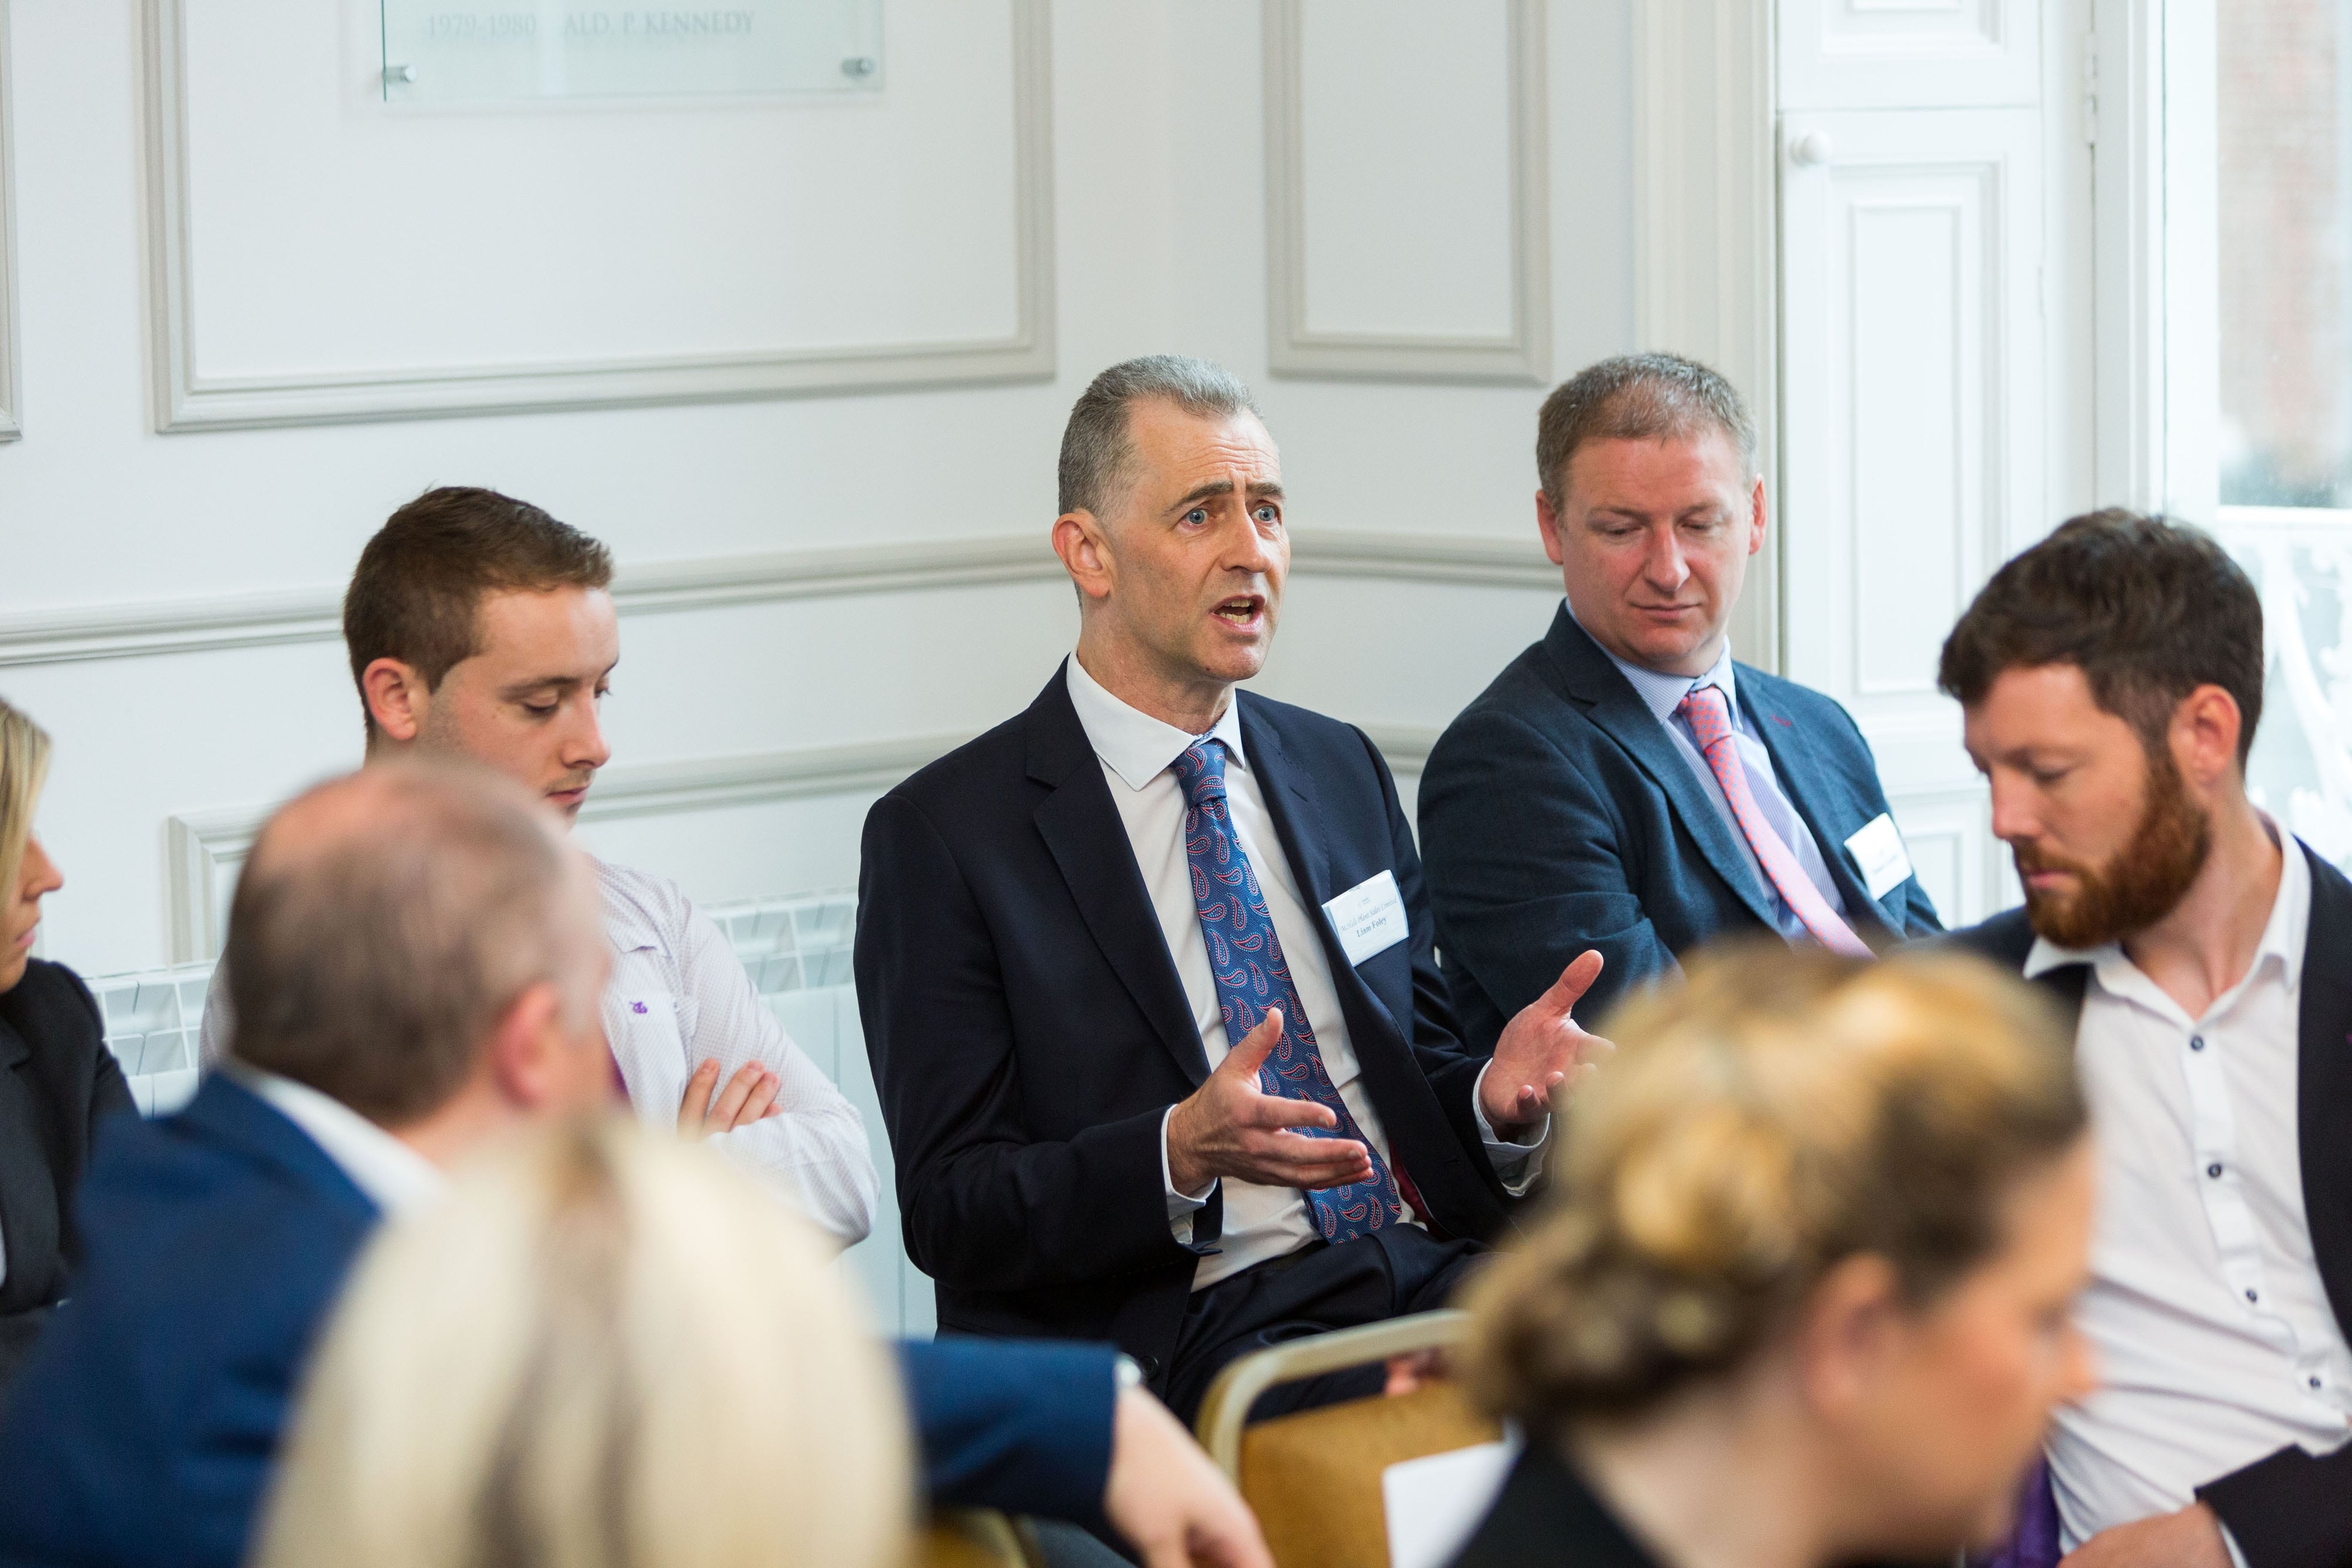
column 2140, row 886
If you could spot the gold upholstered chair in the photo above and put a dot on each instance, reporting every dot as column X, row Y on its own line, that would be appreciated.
column 1314, row 1479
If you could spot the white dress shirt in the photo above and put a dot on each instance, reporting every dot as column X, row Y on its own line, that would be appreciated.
column 1261, row 1223
column 677, row 995
column 395, row 1178
column 1662, row 693
column 2215, row 1341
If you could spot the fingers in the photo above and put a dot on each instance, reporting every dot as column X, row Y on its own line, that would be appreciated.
column 1289, row 1159
column 1574, row 982
column 1243, row 1060
column 1273, row 1113
column 763, row 1103
column 729, row 1112
column 694, row 1108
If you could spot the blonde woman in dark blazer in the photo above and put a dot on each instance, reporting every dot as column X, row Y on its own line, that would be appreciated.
column 1803, row 1294
column 57, row 1079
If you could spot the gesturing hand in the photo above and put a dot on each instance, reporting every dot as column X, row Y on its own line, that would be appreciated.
column 1175, row 1508
column 1542, row 1049
column 750, row 1096
column 1231, row 1127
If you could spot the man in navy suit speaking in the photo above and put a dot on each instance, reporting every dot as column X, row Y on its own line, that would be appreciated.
column 1625, row 785
column 1146, row 970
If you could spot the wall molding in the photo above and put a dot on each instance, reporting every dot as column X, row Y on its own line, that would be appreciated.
column 186, row 400
column 1524, row 357
column 206, row 850
column 151, row 627
column 12, row 416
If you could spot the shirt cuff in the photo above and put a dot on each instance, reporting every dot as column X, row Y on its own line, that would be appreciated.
column 1517, row 1161
column 1181, row 1208
column 2237, row 1554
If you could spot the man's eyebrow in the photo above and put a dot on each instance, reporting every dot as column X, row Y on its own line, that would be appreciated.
column 1269, row 488
column 1213, row 488
column 539, row 683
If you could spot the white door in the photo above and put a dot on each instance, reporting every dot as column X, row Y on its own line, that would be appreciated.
column 1916, row 378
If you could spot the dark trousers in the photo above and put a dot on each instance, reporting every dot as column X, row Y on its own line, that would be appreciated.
column 1320, row 1288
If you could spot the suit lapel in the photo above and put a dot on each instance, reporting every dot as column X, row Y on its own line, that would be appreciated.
column 1081, row 826
column 28, row 1199
column 1297, row 808
column 1609, row 701
column 1292, row 802
column 2324, row 1087
column 1799, row 774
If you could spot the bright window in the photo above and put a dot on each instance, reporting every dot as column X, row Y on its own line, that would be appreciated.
column 2258, row 131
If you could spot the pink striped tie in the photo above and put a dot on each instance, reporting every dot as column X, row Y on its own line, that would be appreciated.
column 1709, row 716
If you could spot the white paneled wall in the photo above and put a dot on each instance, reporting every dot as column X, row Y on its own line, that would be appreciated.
column 260, row 309
column 1922, row 364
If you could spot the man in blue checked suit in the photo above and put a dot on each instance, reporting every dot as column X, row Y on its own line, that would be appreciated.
column 416, row 958
column 1146, row 970
column 1625, row 785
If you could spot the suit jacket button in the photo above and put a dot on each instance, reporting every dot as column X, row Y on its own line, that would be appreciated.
column 1150, row 1363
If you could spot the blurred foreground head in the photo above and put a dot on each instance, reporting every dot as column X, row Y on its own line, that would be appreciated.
column 1836, row 1210
column 417, row 940
column 650, row 1365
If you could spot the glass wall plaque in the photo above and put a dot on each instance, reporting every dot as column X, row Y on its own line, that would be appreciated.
column 505, row 51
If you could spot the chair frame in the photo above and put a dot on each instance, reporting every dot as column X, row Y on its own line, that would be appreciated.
column 1226, row 1409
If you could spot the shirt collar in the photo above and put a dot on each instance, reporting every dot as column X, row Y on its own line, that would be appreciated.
column 395, row 1176
column 626, row 925
column 1662, row 693
column 1130, row 742
column 2284, row 934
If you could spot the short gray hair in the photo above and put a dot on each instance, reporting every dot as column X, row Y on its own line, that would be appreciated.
column 1097, row 457
column 1638, row 397
column 371, row 958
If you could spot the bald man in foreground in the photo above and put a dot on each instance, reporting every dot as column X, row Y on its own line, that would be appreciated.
column 415, row 957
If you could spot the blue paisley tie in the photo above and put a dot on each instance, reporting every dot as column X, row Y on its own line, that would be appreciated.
column 1246, row 958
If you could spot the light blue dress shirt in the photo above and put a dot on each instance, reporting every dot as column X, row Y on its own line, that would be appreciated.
column 1662, row 693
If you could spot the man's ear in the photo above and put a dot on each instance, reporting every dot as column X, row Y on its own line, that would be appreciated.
column 2204, row 734
column 1548, row 525
column 527, row 1060
column 1845, row 1334
column 1756, row 516
column 1084, row 549
column 398, row 698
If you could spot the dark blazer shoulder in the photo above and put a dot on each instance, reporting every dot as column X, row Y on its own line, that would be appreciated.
column 939, row 784
column 54, row 997
column 2007, row 939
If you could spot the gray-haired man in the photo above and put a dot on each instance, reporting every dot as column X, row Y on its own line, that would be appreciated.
column 1146, row 970
column 1623, row 785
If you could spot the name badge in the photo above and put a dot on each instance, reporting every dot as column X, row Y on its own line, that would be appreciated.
column 1368, row 917
column 1878, row 850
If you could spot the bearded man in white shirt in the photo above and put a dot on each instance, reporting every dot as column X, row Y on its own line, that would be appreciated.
column 2112, row 677
column 479, row 626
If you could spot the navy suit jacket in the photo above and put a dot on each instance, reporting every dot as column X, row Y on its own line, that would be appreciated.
column 2287, row 1509
column 142, row 1427
column 1557, row 814
column 1029, row 1030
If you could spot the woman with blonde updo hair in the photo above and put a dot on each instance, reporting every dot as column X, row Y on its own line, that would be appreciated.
column 1801, row 1295
column 648, row 1365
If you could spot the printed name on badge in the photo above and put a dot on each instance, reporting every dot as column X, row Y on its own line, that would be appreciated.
column 1878, row 851
column 1368, row 917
